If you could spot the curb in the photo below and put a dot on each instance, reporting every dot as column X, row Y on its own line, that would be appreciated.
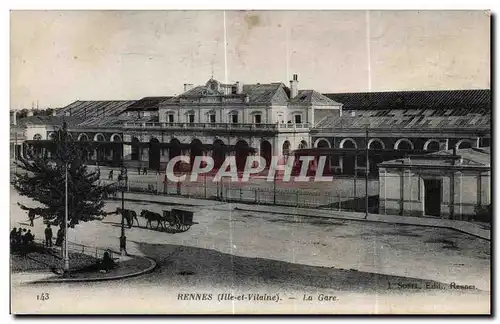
column 152, row 265
column 365, row 220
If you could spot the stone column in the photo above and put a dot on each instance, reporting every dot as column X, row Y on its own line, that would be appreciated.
column 457, row 194
column 485, row 179
column 407, row 193
column 401, row 192
column 382, row 190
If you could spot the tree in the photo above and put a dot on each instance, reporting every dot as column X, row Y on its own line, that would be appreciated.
column 44, row 181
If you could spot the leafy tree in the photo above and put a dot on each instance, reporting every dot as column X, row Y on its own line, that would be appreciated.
column 43, row 180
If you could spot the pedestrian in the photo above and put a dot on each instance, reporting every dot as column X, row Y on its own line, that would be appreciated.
column 31, row 216
column 139, row 170
column 60, row 236
column 107, row 262
column 23, row 234
column 19, row 235
column 28, row 238
column 145, row 171
column 110, row 176
column 13, row 235
column 48, row 236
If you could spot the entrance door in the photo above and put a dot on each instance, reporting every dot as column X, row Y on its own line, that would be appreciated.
column 432, row 203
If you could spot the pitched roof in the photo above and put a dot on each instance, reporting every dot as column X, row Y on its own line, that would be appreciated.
column 312, row 97
column 405, row 122
column 99, row 108
column 200, row 91
column 469, row 157
column 48, row 120
column 115, row 121
column 272, row 93
column 469, row 100
column 147, row 104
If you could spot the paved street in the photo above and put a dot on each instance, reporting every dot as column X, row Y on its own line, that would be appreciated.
column 236, row 251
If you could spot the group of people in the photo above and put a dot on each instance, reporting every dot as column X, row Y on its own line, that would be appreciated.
column 49, row 235
column 21, row 236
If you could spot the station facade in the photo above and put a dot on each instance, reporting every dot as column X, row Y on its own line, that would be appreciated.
column 219, row 120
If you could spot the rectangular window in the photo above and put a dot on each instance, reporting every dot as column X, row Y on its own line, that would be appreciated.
column 234, row 119
column 191, row 118
column 258, row 119
column 170, row 118
column 211, row 118
column 298, row 119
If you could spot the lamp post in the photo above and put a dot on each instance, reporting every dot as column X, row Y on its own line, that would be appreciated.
column 122, row 179
column 65, row 242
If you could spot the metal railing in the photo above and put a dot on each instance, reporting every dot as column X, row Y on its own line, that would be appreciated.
column 73, row 247
column 294, row 126
column 347, row 199
column 234, row 126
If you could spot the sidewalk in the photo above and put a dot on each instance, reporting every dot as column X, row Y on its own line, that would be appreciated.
column 128, row 266
column 474, row 229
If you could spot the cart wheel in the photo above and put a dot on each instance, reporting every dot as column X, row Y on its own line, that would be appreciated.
column 178, row 226
column 185, row 227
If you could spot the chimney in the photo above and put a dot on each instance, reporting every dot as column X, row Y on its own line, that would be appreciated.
column 294, row 86
column 239, row 88
column 14, row 117
column 188, row 86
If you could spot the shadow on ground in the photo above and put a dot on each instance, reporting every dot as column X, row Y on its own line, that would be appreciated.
column 199, row 267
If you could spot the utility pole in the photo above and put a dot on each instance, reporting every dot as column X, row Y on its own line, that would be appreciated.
column 366, row 173
column 65, row 244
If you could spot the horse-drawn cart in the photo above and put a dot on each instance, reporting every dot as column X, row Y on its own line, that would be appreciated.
column 180, row 219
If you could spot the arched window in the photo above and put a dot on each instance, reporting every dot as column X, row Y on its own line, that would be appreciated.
column 286, row 148
column 302, row 145
column 348, row 143
column 403, row 144
column 37, row 137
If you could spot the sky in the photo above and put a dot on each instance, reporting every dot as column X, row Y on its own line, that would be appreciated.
column 57, row 57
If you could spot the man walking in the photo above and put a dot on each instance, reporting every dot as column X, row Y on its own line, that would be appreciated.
column 31, row 216
column 48, row 236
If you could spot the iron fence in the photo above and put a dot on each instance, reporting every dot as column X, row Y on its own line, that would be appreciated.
column 347, row 198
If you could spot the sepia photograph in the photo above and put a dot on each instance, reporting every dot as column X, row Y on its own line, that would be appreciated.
column 244, row 162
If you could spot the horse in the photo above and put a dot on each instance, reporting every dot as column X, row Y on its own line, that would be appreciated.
column 128, row 214
column 152, row 217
